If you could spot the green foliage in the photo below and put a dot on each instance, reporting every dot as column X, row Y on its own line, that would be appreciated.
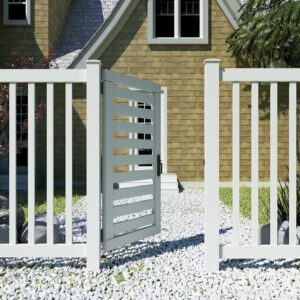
column 120, row 278
column 40, row 201
column 268, row 34
column 282, row 201
column 264, row 201
column 245, row 202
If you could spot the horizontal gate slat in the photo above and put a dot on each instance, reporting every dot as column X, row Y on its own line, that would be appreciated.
column 132, row 95
column 133, row 159
column 130, row 208
column 139, row 144
column 130, row 81
column 134, row 224
column 133, row 127
column 130, row 237
column 132, row 192
column 129, row 176
column 119, row 109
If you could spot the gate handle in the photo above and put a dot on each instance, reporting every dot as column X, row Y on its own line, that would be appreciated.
column 159, row 165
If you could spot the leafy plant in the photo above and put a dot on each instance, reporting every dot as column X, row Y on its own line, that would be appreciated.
column 282, row 201
column 20, row 61
column 268, row 34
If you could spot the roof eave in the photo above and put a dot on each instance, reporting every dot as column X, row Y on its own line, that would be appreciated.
column 105, row 34
column 231, row 9
column 103, row 37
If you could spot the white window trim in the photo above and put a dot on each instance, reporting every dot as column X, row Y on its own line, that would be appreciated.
column 202, row 39
column 6, row 21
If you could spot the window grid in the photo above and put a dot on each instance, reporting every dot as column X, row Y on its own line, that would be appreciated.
column 189, row 24
column 190, row 7
column 22, row 115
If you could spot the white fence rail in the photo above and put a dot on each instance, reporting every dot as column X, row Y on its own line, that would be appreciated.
column 213, row 77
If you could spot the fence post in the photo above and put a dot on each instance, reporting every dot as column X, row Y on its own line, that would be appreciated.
column 211, row 169
column 93, row 159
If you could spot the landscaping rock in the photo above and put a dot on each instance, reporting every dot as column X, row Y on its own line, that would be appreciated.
column 4, row 234
column 41, row 230
column 4, row 213
column 282, row 235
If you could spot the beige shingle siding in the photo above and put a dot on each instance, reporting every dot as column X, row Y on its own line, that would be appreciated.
column 58, row 11
column 39, row 38
column 180, row 69
column 32, row 38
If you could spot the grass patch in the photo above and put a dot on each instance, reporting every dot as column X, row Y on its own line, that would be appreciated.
column 245, row 201
column 40, row 200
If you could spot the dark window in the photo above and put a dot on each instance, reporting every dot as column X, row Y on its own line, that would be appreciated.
column 17, row 10
column 190, row 18
column 164, row 18
column 22, row 136
column 22, row 111
column 22, row 157
column 144, row 136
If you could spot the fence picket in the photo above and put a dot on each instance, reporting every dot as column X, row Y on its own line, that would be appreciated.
column 50, row 161
column 93, row 163
column 292, row 161
column 273, row 162
column 12, row 164
column 254, row 161
column 236, row 160
column 211, row 168
column 31, row 163
column 69, row 162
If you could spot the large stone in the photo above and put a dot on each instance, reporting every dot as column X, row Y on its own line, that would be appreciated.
column 4, row 213
column 4, row 234
column 40, row 232
column 282, row 234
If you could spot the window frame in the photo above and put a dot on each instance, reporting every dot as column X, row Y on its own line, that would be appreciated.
column 204, row 32
column 7, row 21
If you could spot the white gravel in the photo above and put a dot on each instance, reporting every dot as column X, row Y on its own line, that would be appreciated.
column 166, row 266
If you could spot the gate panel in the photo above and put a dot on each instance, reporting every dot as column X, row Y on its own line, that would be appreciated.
column 130, row 213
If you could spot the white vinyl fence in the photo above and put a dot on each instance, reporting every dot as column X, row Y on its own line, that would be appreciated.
column 91, row 76
column 214, row 75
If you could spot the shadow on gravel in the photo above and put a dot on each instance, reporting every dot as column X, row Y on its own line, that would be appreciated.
column 141, row 250
column 261, row 264
column 132, row 253
column 47, row 263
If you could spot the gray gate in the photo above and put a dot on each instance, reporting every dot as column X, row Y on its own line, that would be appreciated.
column 131, row 159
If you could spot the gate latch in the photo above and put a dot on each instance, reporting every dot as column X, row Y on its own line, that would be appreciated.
column 159, row 166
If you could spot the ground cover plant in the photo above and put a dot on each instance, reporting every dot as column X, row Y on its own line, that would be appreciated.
column 264, row 201
column 40, row 200
column 245, row 201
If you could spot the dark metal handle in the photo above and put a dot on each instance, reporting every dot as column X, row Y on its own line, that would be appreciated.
column 159, row 166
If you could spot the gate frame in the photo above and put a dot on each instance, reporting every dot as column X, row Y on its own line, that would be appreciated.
column 137, row 88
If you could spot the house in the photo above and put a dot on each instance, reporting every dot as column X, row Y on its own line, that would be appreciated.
column 165, row 41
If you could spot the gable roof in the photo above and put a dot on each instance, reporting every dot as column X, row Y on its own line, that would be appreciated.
column 88, row 36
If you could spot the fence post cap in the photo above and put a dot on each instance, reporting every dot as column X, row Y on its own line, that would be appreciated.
column 211, row 60
column 93, row 61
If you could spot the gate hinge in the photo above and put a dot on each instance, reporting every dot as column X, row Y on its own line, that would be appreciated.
column 159, row 166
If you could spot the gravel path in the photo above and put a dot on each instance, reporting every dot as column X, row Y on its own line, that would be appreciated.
column 166, row 266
